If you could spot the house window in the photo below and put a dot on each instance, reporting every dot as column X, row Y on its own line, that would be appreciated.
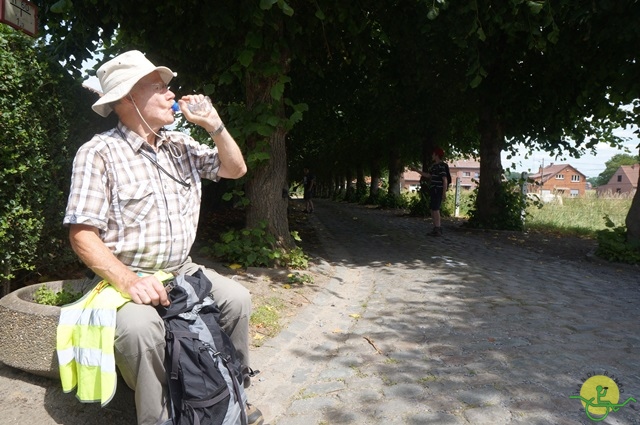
column 619, row 178
column 466, row 174
column 559, row 176
column 574, row 193
column 477, row 175
column 618, row 190
column 575, row 178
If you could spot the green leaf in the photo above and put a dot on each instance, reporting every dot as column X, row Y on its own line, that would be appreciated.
column 257, row 157
column 61, row 6
column 246, row 57
column 273, row 121
column 209, row 89
column 481, row 35
column 476, row 81
column 267, row 4
column 277, row 91
column 253, row 40
column 264, row 130
column 288, row 10
column 535, row 6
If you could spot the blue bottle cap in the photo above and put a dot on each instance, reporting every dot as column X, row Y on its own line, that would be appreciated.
column 175, row 107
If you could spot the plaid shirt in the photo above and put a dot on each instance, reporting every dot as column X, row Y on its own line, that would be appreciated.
column 145, row 218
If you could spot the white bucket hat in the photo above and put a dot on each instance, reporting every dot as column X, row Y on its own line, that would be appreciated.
column 120, row 74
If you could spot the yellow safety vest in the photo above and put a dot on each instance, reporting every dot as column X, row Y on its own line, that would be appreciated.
column 85, row 343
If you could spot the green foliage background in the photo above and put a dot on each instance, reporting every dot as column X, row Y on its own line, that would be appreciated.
column 44, row 118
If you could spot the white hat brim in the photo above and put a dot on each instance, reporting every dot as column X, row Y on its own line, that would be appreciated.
column 103, row 105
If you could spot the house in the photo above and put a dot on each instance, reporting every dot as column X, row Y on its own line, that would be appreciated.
column 468, row 171
column 623, row 181
column 558, row 179
column 410, row 180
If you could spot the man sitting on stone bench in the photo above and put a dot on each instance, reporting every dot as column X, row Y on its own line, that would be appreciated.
column 133, row 208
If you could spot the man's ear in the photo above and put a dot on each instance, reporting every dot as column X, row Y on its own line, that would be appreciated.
column 125, row 102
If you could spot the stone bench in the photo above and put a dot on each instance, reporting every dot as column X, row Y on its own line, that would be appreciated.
column 28, row 330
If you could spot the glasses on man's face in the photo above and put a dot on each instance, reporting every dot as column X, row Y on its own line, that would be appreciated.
column 160, row 88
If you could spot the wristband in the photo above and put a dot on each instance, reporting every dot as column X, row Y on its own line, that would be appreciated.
column 217, row 130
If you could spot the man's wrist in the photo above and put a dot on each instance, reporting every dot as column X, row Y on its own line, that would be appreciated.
column 217, row 130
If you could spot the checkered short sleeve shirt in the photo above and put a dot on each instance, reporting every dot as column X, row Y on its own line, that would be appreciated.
column 146, row 218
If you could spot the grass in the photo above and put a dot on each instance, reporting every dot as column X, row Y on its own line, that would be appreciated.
column 579, row 216
column 265, row 319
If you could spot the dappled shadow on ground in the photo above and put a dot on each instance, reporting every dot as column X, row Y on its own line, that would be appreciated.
column 31, row 399
column 478, row 325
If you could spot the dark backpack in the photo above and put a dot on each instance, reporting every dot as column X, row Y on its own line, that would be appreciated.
column 205, row 377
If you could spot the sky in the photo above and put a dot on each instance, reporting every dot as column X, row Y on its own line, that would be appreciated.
column 589, row 165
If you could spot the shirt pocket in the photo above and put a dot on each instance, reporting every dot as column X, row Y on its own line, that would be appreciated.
column 136, row 200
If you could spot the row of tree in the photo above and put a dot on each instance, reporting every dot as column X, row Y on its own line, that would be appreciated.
column 353, row 88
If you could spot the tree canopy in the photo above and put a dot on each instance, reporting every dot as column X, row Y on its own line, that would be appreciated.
column 355, row 87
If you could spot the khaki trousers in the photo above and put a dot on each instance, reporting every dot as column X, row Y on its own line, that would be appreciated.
column 140, row 342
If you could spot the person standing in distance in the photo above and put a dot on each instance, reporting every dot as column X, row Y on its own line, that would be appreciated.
column 133, row 209
column 438, row 185
column 309, row 185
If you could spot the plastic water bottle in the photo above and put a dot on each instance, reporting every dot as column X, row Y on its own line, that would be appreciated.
column 201, row 108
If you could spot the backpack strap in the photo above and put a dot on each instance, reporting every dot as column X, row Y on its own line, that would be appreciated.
column 236, row 387
column 174, row 336
column 210, row 402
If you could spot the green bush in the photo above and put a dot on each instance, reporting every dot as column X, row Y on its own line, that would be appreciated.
column 45, row 116
column 391, row 201
column 613, row 244
column 511, row 206
column 32, row 152
column 257, row 248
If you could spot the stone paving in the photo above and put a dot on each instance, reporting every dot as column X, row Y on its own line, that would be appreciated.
column 454, row 330
column 415, row 330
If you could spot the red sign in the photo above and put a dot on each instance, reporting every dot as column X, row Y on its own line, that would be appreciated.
column 20, row 14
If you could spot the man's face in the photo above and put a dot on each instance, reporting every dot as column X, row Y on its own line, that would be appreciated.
column 154, row 100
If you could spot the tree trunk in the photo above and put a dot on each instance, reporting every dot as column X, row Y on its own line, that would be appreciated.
column 338, row 182
column 264, row 190
column 375, row 179
column 633, row 219
column 265, row 183
column 491, row 145
column 351, row 189
column 395, row 169
column 361, row 185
